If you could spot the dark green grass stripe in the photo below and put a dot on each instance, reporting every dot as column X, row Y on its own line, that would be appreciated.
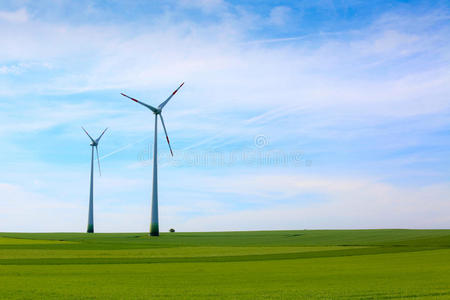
column 399, row 295
column 84, row 246
column 379, row 238
column 257, row 257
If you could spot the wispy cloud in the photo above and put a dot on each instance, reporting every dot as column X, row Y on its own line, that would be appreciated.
column 18, row 16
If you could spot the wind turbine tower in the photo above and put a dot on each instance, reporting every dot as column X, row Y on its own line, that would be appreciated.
column 154, row 223
column 94, row 143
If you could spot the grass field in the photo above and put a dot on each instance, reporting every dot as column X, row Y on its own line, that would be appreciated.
column 306, row 264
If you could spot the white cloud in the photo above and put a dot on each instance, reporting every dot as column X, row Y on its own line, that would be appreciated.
column 345, row 203
column 207, row 6
column 28, row 211
column 18, row 16
column 279, row 15
column 16, row 69
column 366, row 75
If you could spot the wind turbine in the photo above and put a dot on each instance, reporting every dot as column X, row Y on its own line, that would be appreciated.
column 90, row 227
column 154, row 223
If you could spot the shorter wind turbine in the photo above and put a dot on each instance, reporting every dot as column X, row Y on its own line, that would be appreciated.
column 94, row 143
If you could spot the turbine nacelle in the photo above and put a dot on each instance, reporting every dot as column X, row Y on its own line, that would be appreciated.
column 94, row 143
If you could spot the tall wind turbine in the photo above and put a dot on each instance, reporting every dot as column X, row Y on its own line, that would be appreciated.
column 90, row 227
column 154, row 223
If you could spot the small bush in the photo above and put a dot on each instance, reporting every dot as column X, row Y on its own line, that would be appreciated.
column 172, row 230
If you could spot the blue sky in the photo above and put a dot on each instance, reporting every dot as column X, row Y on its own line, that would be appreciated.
column 324, row 114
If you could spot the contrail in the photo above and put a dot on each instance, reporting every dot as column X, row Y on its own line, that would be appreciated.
column 292, row 38
column 271, row 114
column 123, row 148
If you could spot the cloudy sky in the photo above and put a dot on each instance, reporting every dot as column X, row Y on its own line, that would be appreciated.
column 302, row 114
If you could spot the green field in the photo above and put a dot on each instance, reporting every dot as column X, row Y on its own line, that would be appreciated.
column 304, row 264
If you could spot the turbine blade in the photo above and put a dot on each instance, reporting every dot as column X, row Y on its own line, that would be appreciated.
column 98, row 139
column 140, row 102
column 98, row 161
column 87, row 134
column 165, row 131
column 170, row 97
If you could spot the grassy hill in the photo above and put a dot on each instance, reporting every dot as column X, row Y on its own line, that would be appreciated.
column 305, row 264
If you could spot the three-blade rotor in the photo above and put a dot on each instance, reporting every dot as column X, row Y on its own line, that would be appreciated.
column 157, row 111
column 95, row 144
